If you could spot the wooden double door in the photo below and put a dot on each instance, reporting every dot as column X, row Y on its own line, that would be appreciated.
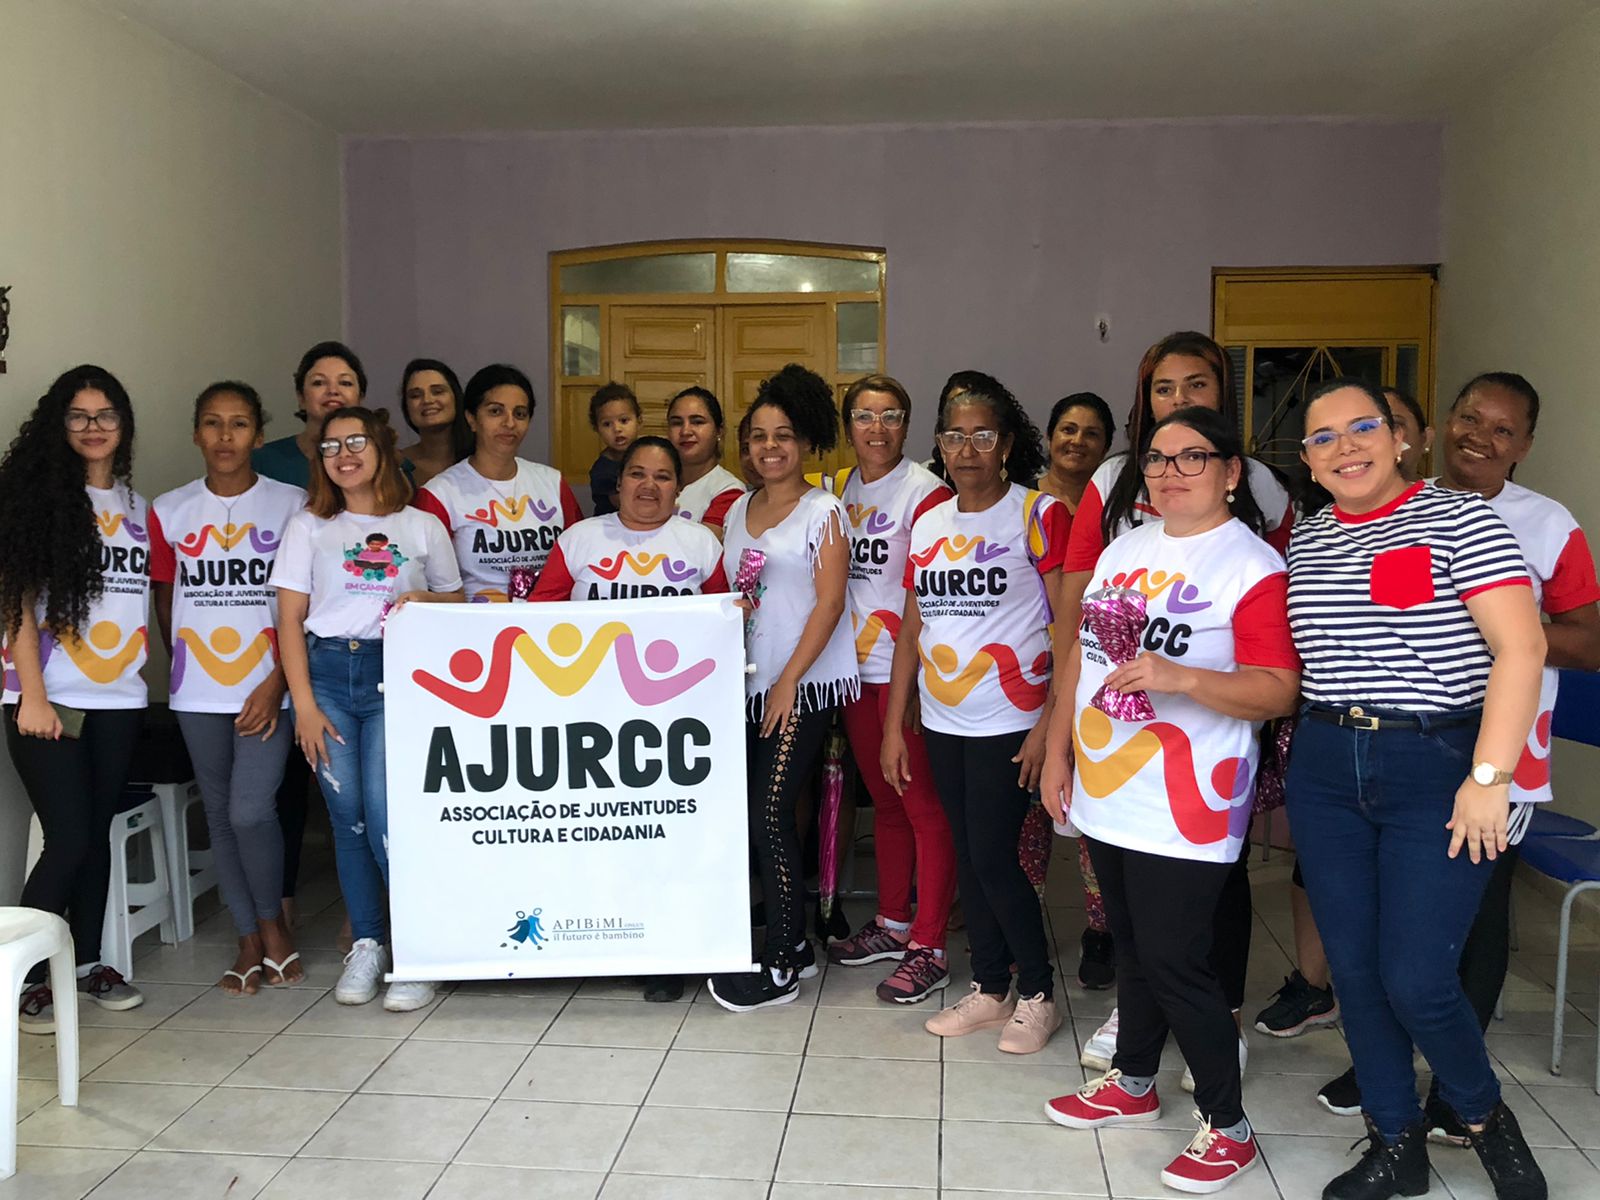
column 729, row 348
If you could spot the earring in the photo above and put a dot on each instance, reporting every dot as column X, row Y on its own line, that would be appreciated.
column 1230, row 495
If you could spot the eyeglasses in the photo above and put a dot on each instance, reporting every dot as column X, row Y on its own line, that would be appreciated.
column 108, row 419
column 1360, row 430
column 892, row 418
column 1188, row 462
column 984, row 441
column 355, row 443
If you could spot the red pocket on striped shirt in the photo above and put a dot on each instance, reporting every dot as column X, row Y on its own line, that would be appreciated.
column 1403, row 578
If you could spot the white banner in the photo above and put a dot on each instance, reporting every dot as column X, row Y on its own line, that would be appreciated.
column 567, row 789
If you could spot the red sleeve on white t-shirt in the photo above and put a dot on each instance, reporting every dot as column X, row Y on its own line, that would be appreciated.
column 1571, row 585
column 717, row 510
column 1084, row 542
column 429, row 503
column 555, row 581
column 936, row 497
column 716, row 583
column 1261, row 626
column 571, row 514
column 1056, row 527
column 163, row 563
column 1278, row 538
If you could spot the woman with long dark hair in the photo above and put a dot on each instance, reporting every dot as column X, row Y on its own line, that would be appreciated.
column 1163, row 802
column 430, row 402
column 356, row 552
column 74, row 599
column 982, row 569
column 694, row 426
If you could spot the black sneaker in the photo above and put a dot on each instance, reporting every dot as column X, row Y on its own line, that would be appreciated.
column 1506, row 1158
column 1385, row 1170
column 663, row 989
column 1097, row 966
column 1297, row 1008
column 834, row 927
column 1444, row 1127
column 37, row 1011
column 1341, row 1096
column 746, row 991
column 805, row 959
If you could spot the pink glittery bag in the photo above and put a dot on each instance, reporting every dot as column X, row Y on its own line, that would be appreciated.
column 747, row 582
column 1116, row 617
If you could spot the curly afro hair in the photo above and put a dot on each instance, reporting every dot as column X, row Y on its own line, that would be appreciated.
column 805, row 398
column 1027, row 457
column 49, row 544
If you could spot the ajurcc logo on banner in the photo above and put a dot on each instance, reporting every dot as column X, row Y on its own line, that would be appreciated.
column 567, row 788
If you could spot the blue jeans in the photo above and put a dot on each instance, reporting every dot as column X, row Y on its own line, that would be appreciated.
column 1368, row 809
column 345, row 675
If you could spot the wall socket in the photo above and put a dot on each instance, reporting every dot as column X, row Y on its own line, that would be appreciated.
column 1102, row 326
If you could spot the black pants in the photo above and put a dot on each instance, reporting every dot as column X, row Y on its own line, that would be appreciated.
column 1231, row 928
column 977, row 785
column 293, row 804
column 1161, row 912
column 780, row 767
column 75, row 786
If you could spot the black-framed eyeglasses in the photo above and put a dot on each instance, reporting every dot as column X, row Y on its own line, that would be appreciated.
column 892, row 418
column 355, row 443
column 984, row 441
column 108, row 419
column 1188, row 462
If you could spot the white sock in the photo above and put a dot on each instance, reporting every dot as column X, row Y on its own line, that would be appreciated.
column 1237, row 1133
column 1136, row 1085
column 894, row 926
column 85, row 971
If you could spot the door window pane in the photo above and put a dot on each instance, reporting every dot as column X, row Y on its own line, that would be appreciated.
column 858, row 338
column 580, row 340
column 1282, row 378
column 1406, row 359
column 800, row 273
column 652, row 274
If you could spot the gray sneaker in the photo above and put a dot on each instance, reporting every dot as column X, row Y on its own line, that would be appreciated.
column 107, row 988
column 37, row 1012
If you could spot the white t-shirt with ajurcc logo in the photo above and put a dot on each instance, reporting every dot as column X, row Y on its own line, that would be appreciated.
column 1180, row 785
column 881, row 515
column 602, row 559
column 979, row 583
column 353, row 566
column 217, row 552
column 99, row 666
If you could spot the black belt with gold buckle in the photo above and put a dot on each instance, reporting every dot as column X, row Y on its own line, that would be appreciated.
column 1355, row 717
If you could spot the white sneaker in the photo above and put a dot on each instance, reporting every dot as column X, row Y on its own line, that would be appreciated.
column 408, row 996
column 1244, row 1056
column 1099, row 1050
column 363, row 968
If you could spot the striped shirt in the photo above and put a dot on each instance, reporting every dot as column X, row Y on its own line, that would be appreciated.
column 1377, row 600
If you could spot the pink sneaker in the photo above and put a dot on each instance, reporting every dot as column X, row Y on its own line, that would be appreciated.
column 920, row 973
column 974, row 1011
column 1102, row 1102
column 1210, row 1162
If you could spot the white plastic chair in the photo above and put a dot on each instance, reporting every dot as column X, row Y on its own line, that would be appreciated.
column 193, row 872
column 132, row 908
column 28, row 936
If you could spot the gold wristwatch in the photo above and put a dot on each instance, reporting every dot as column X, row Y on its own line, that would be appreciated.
column 1486, row 774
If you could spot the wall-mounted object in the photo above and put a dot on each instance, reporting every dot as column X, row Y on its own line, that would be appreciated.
column 5, row 324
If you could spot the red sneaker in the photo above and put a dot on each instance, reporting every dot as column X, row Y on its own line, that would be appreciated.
column 1210, row 1162
column 1103, row 1102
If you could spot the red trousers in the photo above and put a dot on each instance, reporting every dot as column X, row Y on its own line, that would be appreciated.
column 910, row 831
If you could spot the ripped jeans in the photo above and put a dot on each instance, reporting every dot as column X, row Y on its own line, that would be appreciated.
column 345, row 674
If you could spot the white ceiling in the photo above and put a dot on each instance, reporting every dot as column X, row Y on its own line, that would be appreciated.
column 450, row 66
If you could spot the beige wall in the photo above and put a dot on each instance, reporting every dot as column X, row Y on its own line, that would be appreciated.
column 1521, row 278
column 162, row 219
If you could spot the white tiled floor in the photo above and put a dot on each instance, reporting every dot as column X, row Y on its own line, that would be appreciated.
column 559, row 1089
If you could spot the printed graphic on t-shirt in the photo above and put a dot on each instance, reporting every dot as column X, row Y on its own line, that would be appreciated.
column 958, row 577
column 629, row 574
column 376, row 560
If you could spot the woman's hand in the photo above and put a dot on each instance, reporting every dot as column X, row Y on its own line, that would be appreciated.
column 913, row 720
column 1479, row 820
column 309, row 729
column 779, row 708
column 405, row 598
column 262, row 708
column 1150, row 673
column 1031, row 756
column 36, row 718
column 894, row 759
column 1055, row 786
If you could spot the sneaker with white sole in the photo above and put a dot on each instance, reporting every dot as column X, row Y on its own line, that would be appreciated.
column 1101, row 1048
column 746, row 991
column 1187, row 1082
column 1211, row 1161
column 408, row 995
column 37, row 1011
column 106, row 987
column 1036, row 1018
column 976, row 1010
column 364, row 968
column 1102, row 1102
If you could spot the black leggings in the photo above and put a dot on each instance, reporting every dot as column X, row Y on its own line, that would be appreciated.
column 293, row 802
column 75, row 786
column 977, row 785
column 1161, row 912
column 780, row 766
column 1231, row 928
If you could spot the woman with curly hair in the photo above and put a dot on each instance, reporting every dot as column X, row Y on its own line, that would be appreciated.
column 74, row 590
column 974, row 638
column 803, row 654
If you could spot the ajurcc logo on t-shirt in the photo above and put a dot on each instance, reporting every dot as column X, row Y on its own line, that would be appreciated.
column 377, row 560
column 1170, row 634
column 969, row 584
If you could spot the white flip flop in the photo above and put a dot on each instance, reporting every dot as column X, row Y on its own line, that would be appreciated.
column 244, row 981
column 283, row 980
